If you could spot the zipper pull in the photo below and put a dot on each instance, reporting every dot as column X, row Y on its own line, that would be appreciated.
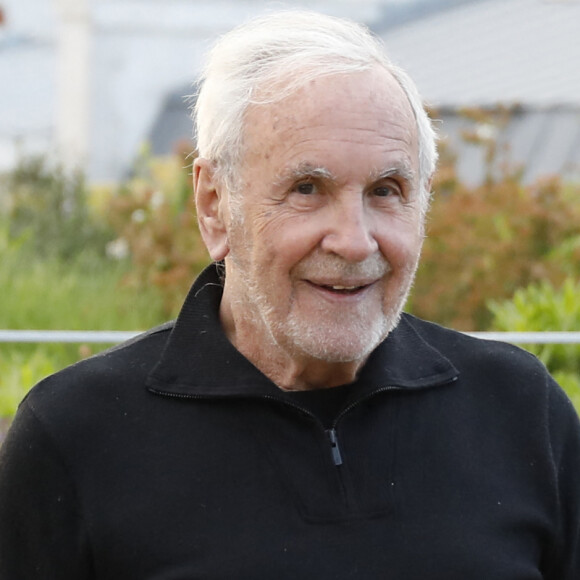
column 334, row 446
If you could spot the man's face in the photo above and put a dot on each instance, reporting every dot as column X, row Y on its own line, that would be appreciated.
column 326, row 228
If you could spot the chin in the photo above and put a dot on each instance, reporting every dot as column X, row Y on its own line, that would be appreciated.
column 336, row 344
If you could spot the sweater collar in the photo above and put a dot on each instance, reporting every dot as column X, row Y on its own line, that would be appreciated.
column 199, row 361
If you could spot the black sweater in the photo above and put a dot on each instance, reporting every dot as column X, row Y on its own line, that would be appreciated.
column 171, row 457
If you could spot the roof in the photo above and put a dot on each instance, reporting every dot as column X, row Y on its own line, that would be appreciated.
column 481, row 53
column 490, row 51
column 478, row 53
column 539, row 142
column 396, row 14
column 173, row 125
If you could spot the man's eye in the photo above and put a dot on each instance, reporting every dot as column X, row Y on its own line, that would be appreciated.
column 306, row 188
column 386, row 191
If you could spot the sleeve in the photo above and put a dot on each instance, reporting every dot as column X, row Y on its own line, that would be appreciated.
column 41, row 530
column 564, row 559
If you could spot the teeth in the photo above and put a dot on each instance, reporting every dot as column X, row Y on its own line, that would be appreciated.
column 344, row 287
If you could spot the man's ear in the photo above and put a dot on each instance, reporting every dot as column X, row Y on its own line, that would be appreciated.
column 210, row 209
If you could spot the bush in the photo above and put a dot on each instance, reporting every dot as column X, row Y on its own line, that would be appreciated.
column 541, row 307
column 18, row 371
column 59, row 285
column 487, row 241
column 154, row 217
column 51, row 295
column 483, row 242
column 47, row 212
column 570, row 382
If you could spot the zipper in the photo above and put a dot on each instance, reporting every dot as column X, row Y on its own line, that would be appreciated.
column 330, row 434
column 334, row 448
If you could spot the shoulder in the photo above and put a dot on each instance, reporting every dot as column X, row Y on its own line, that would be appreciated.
column 497, row 375
column 92, row 388
column 506, row 387
column 467, row 351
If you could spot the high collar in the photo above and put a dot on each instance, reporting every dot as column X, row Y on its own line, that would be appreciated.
column 199, row 360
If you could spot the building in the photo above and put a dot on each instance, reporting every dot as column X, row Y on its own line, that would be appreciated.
column 518, row 60
column 91, row 80
column 27, row 83
column 521, row 54
column 84, row 80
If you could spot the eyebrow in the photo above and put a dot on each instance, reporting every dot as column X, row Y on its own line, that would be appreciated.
column 308, row 170
column 403, row 170
column 304, row 171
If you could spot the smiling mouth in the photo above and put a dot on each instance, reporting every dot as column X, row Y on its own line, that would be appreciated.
column 339, row 289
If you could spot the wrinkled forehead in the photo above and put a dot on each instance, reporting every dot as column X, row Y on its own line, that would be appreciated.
column 370, row 100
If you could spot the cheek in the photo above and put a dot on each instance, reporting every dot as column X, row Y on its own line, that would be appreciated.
column 400, row 246
column 285, row 242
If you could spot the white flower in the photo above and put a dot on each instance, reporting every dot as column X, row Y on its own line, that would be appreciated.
column 486, row 131
column 139, row 216
column 117, row 249
column 157, row 200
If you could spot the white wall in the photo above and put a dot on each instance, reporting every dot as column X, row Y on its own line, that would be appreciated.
column 83, row 80
column 27, row 91
column 144, row 49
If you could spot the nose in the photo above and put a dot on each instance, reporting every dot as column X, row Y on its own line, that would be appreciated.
column 349, row 233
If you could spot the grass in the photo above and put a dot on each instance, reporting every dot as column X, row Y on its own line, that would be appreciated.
column 86, row 294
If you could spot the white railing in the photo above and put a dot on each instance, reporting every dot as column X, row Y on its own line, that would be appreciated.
column 116, row 336
column 562, row 337
column 78, row 336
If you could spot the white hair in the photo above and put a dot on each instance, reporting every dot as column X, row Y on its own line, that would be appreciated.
column 269, row 58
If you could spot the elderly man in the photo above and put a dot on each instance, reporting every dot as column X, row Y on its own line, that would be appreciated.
column 292, row 423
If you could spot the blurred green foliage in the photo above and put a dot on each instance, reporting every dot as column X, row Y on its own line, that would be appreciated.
column 122, row 257
column 486, row 241
column 47, row 212
column 20, row 369
column 56, row 274
column 49, row 294
column 540, row 307
column 153, row 214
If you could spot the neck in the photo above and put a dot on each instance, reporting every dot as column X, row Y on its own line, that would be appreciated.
column 291, row 371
